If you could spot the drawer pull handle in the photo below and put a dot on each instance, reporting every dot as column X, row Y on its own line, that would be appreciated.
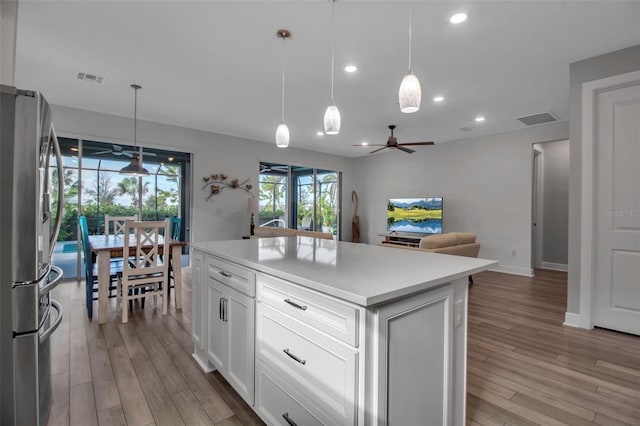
column 293, row 357
column 291, row 422
column 225, row 274
column 295, row 305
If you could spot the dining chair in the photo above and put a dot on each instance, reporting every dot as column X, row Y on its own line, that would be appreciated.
column 116, row 223
column 176, row 227
column 91, row 270
column 145, row 270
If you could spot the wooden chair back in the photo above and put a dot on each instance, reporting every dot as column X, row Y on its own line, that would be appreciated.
column 116, row 223
column 146, row 268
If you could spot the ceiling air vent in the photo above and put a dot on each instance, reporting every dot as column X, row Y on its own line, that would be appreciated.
column 466, row 128
column 533, row 119
column 90, row 78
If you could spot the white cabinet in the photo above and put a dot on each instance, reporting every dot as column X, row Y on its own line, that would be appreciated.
column 223, row 324
column 230, row 342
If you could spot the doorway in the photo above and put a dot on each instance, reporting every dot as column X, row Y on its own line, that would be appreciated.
column 550, row 206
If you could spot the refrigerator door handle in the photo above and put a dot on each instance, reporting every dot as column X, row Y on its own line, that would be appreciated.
column 53, row 283
column 54, row 235
column 45, row 335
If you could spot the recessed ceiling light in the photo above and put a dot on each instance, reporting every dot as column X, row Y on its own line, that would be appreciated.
column 458, row 18
column 320, row 133
column 74, row 149
column 170, row 158
column 479, row 119
column 438, row 99
column 351, row 68
column 364, row 143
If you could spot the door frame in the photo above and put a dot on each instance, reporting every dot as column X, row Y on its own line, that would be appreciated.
column 537, row 205
column 587, row 212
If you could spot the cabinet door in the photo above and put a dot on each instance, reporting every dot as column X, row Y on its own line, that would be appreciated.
column 217, row 328
column 196, row 300
column 409, row 395
column 240, row 315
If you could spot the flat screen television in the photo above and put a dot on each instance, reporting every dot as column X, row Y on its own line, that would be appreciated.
column 415, row 215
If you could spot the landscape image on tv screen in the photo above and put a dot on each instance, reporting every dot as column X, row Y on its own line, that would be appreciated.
column 421, row 215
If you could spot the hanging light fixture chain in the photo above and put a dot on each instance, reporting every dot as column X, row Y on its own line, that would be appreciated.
column 410, row 12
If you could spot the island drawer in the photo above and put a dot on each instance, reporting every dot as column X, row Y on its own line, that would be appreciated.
column 235, row 276
column 277, row 405
column 327, row 314
column 323, row 369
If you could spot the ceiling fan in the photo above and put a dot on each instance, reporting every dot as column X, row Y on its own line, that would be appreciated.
column 392, row 142
column 117, row 150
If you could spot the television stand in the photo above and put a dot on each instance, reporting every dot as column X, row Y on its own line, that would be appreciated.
column 409, row 240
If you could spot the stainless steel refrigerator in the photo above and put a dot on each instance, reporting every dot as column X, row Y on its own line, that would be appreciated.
column 28, row 232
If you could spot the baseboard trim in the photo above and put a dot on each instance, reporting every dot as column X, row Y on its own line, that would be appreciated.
column 575, row 320
column 515, row 270
column 203, row 365
column 555, row 266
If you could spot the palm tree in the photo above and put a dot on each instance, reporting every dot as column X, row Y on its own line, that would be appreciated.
column 129, row 186
column 102, row 191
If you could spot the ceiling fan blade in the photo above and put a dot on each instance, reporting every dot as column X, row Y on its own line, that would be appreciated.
column 379, row 149
column 416, row 143
column 407, row 150
column 371, row 144
column 102, row 152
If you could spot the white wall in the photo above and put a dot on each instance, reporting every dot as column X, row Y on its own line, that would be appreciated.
column 614, row 63
column 8, row 25
column 225, row 215
column 485, row 181
column 555, row 184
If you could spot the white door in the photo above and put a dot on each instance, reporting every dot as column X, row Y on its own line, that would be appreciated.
column 616, row 266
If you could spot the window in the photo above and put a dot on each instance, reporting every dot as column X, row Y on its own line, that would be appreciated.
column 94, row 187
column 300, row 198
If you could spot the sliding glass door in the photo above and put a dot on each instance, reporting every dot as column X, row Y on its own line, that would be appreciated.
column 300, row 198
column 94, row 187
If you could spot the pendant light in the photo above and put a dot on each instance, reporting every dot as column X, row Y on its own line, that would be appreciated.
column 135, row 166
column 410, row 94
column 282, row 132
column 332, row 115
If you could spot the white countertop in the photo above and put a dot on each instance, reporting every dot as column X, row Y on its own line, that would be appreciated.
column 360, row 273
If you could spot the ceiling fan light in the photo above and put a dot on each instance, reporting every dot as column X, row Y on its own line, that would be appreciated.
column 282, row 136
column 410, row 94
column 332, row 120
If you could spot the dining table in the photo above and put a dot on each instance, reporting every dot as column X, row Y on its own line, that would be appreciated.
column 106, row 247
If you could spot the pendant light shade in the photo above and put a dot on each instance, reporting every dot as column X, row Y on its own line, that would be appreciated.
column 282, row 136
column 332, row 115
column 282, row 132
column 134, row 167
column 332, row 120
column 410, row 94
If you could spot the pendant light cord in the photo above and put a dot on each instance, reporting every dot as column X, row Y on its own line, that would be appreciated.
column 282, row 80
column 333, row 2
column 135, row 117
column 410, row 10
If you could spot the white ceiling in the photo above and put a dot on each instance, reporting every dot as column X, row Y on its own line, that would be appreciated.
column 215, row 65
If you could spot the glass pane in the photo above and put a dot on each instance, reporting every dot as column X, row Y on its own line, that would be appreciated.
column 304, row 200
column 327, row 201
column 65, row 254
column 273, row 195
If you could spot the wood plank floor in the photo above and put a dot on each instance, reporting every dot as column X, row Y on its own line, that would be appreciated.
column 524, row 367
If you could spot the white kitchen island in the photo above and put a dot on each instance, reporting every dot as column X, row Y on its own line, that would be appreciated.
column 312, row 331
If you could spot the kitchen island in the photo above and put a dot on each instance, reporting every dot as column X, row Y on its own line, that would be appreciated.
column 312, row 331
